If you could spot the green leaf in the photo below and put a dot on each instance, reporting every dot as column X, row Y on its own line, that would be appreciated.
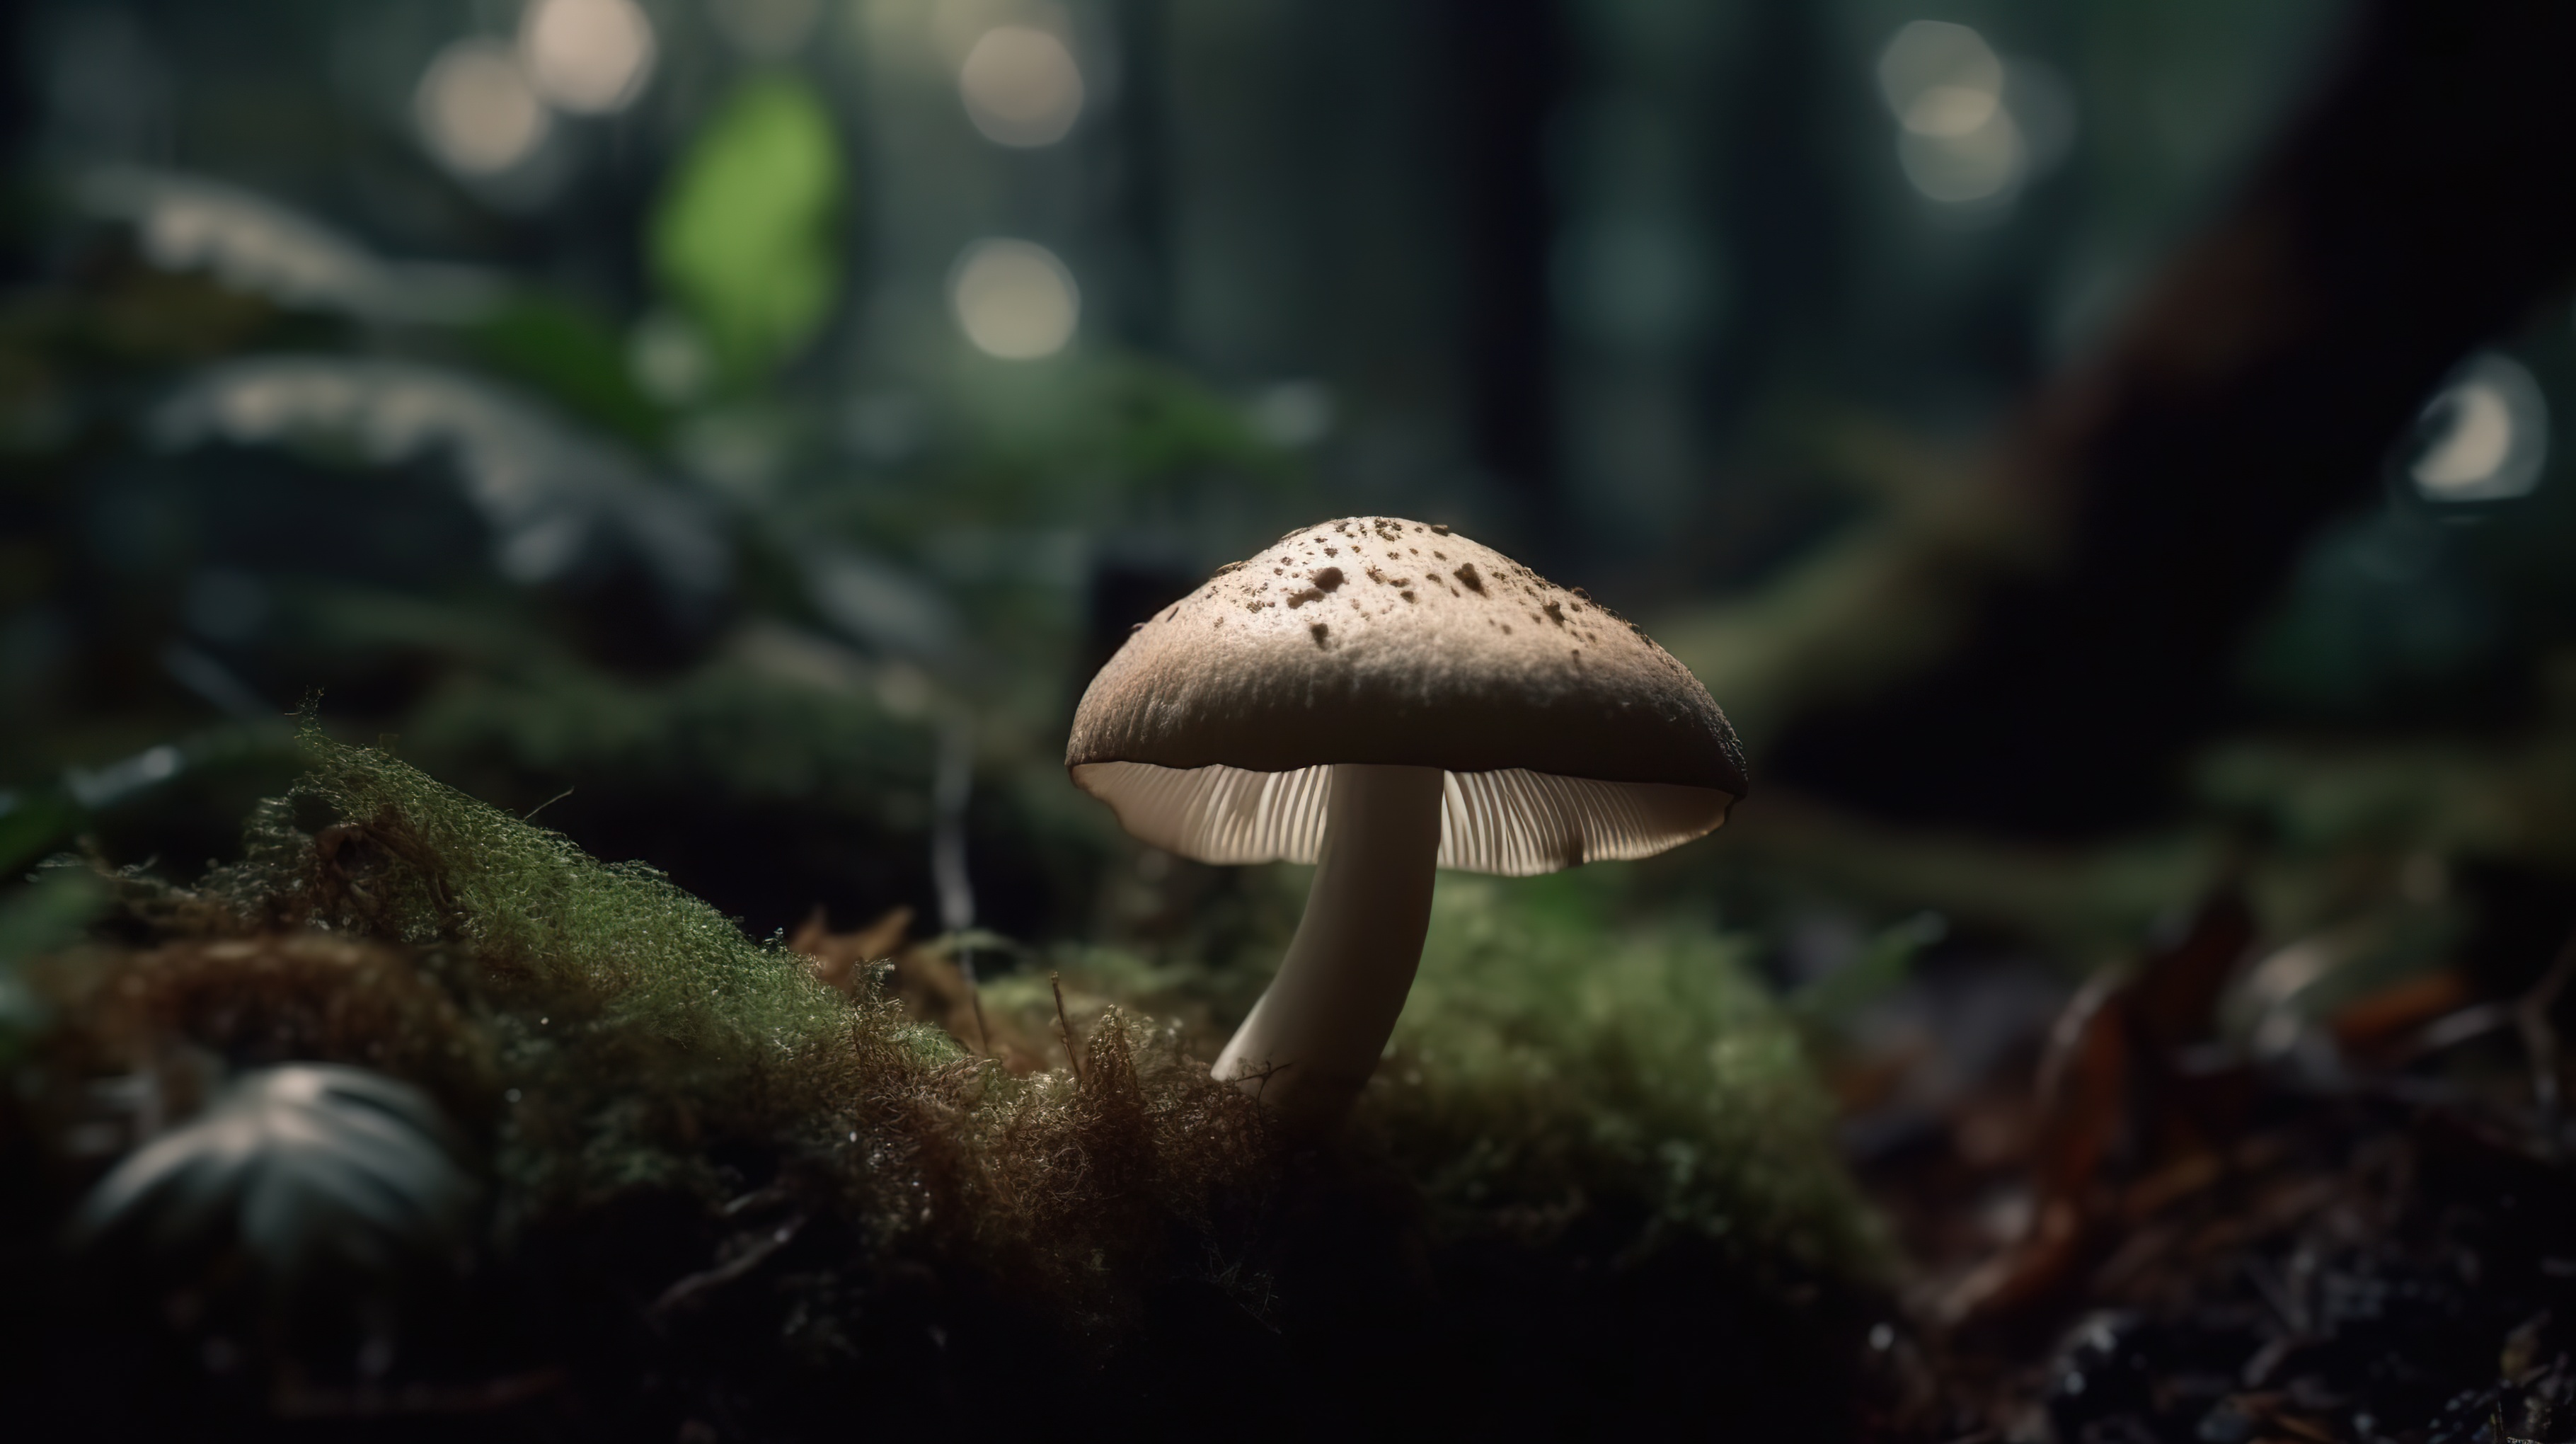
column 746, row 236
column 575, row 358
column 1880, row 970
column 35, row 921
column 31, row 826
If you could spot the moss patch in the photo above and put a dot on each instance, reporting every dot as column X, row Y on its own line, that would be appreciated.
column 727, row 1190
column 1541, row 1063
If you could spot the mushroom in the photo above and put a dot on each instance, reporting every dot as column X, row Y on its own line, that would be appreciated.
column 1383, row 698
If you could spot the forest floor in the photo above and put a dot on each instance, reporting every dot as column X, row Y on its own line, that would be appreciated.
column 2123, row 1232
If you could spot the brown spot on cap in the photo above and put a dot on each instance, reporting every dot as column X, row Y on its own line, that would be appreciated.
column 1329, row 579
column 1466, row 575
column 1555, row 613
column 1438, row 530
column 1299, row 599
column 1320, row 631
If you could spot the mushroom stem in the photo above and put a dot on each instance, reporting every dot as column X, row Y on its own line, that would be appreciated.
column 1312, row 1041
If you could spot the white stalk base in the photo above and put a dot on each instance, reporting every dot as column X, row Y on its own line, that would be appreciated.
column 1312, row 1041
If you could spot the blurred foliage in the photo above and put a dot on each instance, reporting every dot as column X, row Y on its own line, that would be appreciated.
column 35, row 921
column 745, row 236
column 1881, row 968
column 575, row 358
column 31, row 825
column 312, row 1176
column 915, row 539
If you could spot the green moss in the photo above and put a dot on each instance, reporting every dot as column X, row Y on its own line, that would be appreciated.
column 631, row 1020
column 1544, row 1066
column 1547, row 1063
column 642, row 1045
column 1556, row 1071
column 1596, row 1148
column 645, row 960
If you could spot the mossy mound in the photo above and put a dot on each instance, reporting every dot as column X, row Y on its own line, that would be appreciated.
column 1542, row 1059
column 1593, row 1186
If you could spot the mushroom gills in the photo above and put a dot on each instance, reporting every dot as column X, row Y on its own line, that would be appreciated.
column 1512, row 822
column 1311, row 1043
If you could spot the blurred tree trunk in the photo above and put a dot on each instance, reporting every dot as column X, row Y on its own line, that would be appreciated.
column 1509, row 71
column 2423, row 203
column 1142, row 179
column 18, row 91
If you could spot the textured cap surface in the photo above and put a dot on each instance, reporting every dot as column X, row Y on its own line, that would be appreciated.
column 1569, row 735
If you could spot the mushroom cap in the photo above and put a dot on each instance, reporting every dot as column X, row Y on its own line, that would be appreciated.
column 1567, row 734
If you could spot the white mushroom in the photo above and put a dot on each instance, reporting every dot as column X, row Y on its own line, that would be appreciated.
column 1383, row 698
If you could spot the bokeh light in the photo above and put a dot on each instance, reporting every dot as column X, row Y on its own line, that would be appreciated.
column 1014, row 299
column 2484, row 436
column 587, row 57
column 1963, row 137
column 1021, row 86
column 1940, row 79
column 1983, row 164
column 476, row 110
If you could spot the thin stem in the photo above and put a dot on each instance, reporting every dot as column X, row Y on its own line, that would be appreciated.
column 1064, row 1026
column 1312, row 1041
